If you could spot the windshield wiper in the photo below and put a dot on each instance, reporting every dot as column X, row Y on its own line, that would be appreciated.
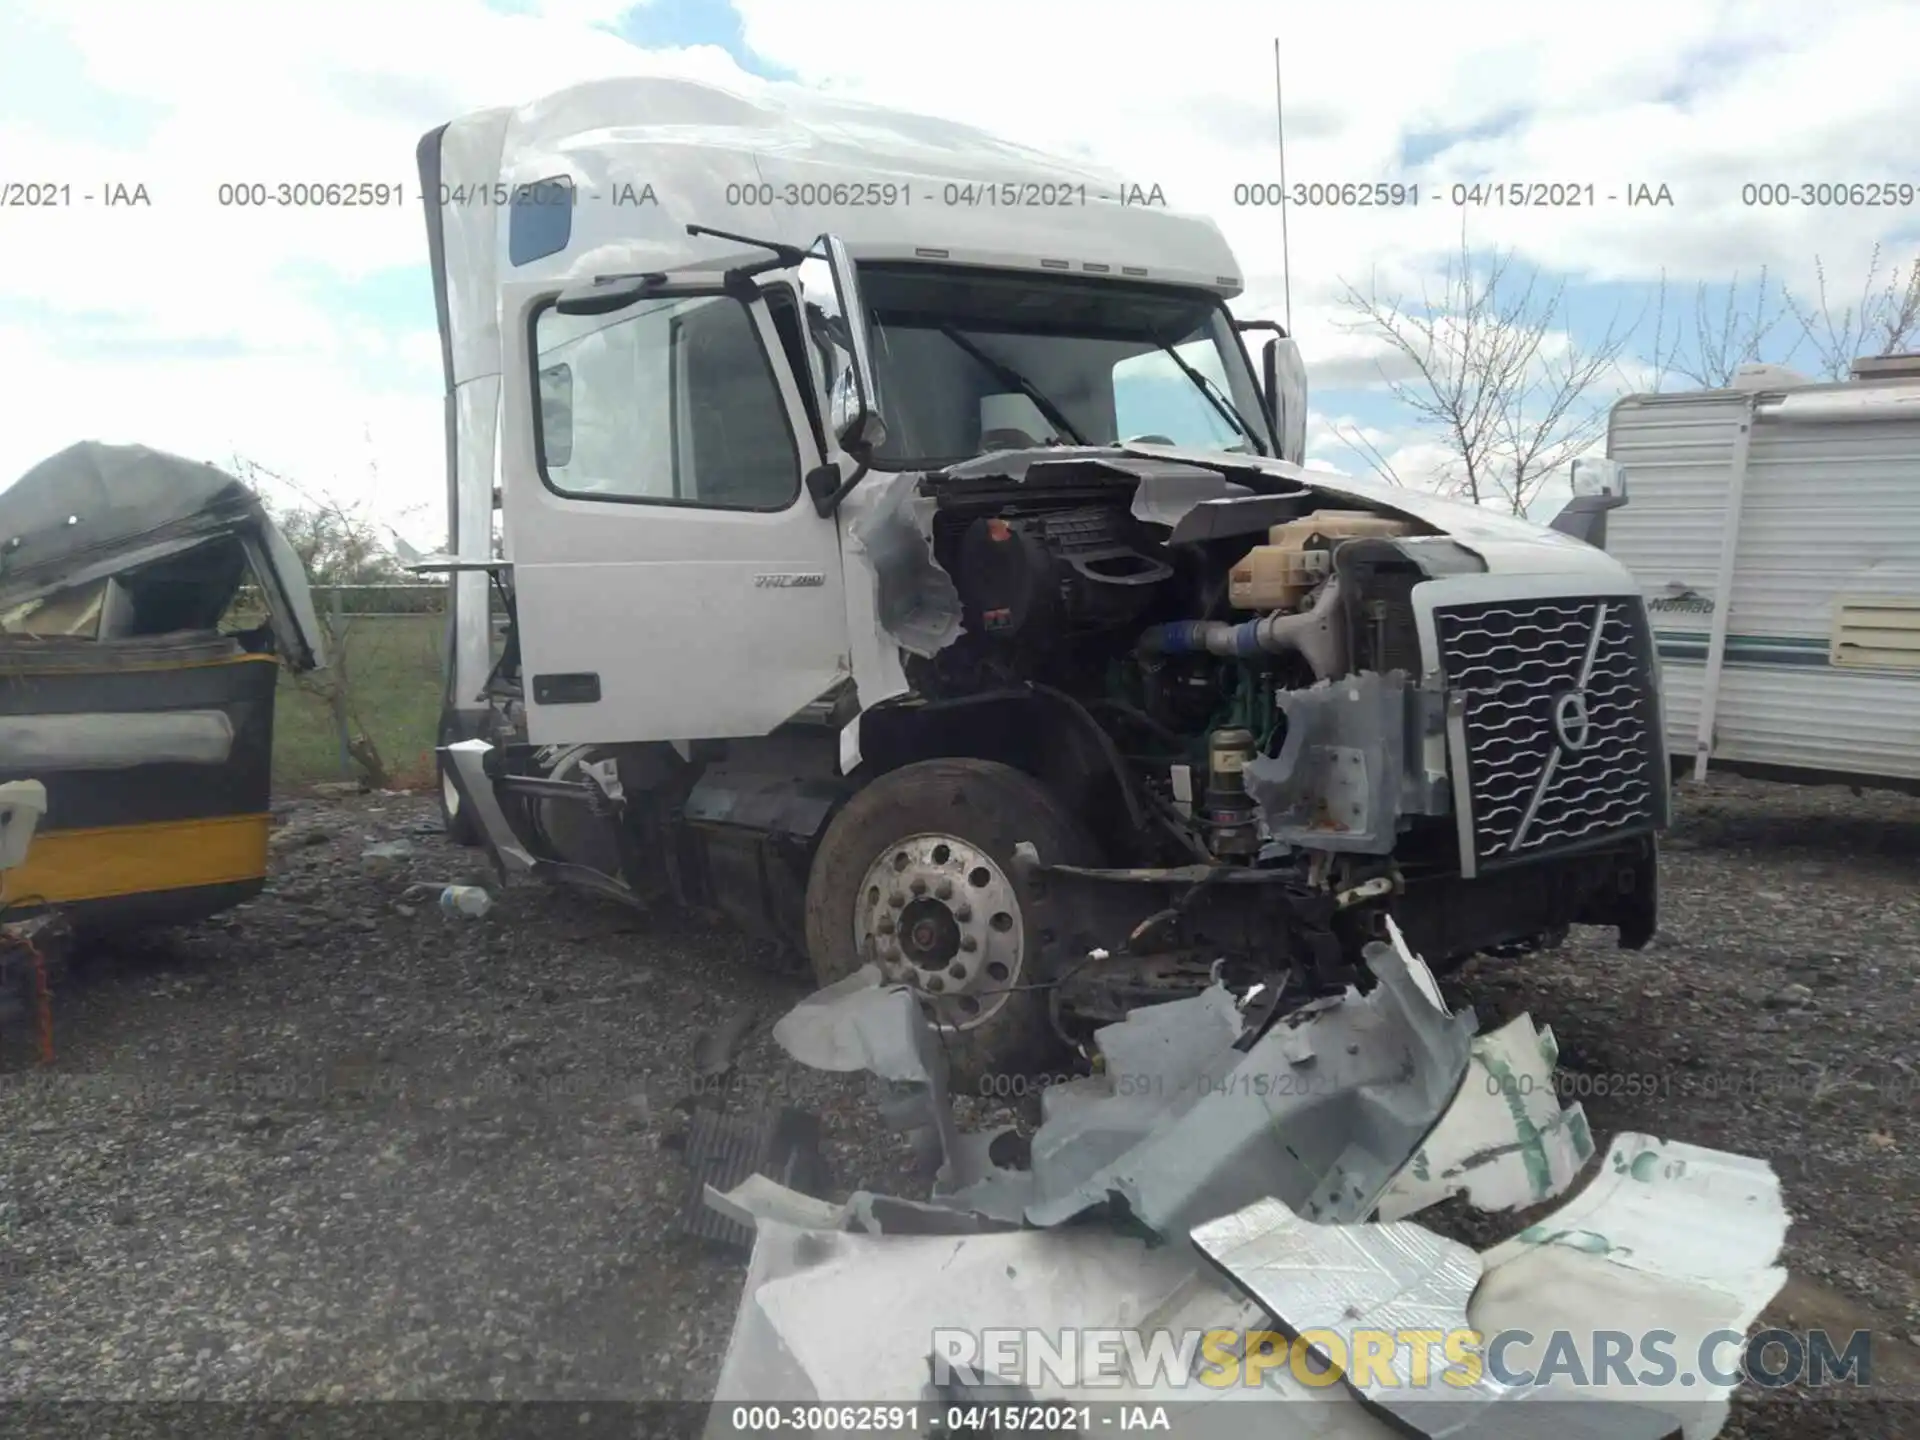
column 1007, row 375
column 1220, row 402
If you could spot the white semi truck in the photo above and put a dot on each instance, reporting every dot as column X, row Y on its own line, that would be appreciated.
column 904, row 555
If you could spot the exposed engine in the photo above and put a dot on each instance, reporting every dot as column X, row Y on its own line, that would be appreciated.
column 1181, row 648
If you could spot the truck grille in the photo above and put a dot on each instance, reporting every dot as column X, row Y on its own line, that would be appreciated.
column 1558, row 722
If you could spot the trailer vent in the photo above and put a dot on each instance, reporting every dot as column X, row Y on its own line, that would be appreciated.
column 1886, row 367
column 1555, row 727
column 1877, row 633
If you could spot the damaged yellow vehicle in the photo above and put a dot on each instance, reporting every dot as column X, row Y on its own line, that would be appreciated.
column 129, row 690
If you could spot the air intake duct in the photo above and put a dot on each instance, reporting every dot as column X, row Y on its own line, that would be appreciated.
column 1315, row 635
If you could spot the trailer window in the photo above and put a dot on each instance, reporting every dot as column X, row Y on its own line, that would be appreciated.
column 670, row 401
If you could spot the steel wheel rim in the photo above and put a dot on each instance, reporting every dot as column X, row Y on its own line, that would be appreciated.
column 938, row 914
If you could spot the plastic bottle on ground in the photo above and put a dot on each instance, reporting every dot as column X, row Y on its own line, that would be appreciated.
column 468, row 901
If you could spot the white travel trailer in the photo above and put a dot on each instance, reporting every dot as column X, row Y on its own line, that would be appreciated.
column 908, row 559
column 1775, row 530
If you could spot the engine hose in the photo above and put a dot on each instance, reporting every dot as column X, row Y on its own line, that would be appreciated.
column 1311, row 634
column 1201, row 637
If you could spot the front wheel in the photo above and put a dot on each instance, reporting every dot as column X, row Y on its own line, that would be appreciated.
column 916, row 874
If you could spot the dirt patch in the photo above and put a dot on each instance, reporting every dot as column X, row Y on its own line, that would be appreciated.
column 339, row 1145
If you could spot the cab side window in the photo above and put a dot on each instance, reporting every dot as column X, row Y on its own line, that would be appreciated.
column 668, row 401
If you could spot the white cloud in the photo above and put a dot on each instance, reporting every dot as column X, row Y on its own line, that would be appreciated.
column 1699, row 96
column 179, row 324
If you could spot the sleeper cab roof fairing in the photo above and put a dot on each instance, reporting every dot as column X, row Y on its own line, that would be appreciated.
column 647, row 155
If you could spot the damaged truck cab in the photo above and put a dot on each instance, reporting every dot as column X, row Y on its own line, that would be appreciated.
column 902, row 553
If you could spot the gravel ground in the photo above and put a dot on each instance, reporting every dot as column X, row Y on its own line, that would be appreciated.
column 336, row 1145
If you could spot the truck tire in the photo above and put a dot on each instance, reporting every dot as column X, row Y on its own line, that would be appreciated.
column 920, row 862
column 460, row 825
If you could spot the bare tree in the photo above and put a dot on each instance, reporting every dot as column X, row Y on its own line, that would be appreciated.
column 1496, row 374
column 1886, row 321
column 1728, row 332
column 337, row 546
column 1354, row 438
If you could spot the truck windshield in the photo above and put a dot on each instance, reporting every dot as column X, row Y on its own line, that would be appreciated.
column 967, row 361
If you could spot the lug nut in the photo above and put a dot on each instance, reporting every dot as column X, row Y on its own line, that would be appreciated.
column 919, row 887
column 969, row 944
column 898, row 899
column 944, row 890
column 885, row 927
column 963, row 912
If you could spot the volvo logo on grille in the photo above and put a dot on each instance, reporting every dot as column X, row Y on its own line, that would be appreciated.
column 1571, row 724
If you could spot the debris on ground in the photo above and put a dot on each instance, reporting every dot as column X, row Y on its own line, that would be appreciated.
column 1223, row 1165
column 469, row 902
column 1505, row 1143
column 775, row 1145
column 1669, row 1238
column 429, row 1162
column 715, row 1050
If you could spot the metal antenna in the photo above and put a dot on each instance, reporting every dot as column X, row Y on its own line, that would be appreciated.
column 1280, row 124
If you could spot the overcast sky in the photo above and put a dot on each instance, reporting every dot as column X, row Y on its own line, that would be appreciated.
column 305, row 340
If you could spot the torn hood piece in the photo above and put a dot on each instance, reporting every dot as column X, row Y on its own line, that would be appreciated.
column 1669, row 1240
column 1323, row 1108
column 177, row 536
column 857, row 1023
column 1504, row 1143
column 1175, row 481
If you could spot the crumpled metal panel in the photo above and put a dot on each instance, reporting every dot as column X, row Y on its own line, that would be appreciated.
column 1322, row 1111
column 915, row 601
column 758, row 1197
column 771, row 1144
column 832, row 1316
column 1669, row 1237
column 860, row 1023
column 758, row 1366
column 796, row 1338
column 903, row 1287
column 1349, row 1279
column 1666, row 1208
column 1394, row 1276
column 1351, row 764
column 1504, row 1143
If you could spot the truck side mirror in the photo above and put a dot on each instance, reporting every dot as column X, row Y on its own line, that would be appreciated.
column 1600, row 477
column 1598, row 486
column 1283, row 378
column 855, row 413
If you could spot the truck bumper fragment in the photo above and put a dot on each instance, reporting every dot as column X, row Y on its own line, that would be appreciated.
column 1206, row 1208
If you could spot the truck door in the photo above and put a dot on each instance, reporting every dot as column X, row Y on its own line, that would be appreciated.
column 672, row 579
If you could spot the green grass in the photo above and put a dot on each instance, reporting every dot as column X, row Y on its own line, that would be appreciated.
column 393, row 668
